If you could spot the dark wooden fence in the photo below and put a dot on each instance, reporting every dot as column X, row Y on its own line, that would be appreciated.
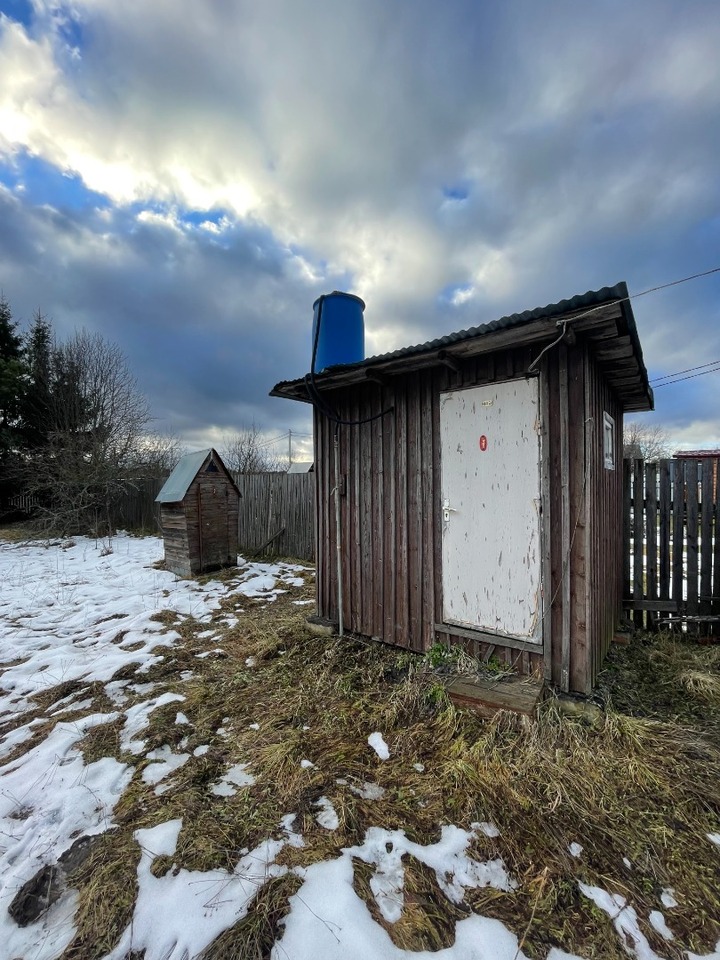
column 134, row 506
column 277, row 514
column 672, row 543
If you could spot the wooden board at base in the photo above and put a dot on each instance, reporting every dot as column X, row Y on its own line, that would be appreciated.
column 486, row 697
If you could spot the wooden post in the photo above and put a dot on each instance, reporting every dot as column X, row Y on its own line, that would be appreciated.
column 678, row 549
column 638, row 530
column 651, row 534
column 692, row 538
column 565, row 518
column 547, row 585
column 706, row 545
column 665, row 518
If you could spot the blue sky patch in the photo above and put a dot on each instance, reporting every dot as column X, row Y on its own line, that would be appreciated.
column 457, row 192
column 39, row 182
column 19, row 10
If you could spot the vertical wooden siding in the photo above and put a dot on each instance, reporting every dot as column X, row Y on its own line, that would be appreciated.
column 586, row 543
column 391, row 523
column 604, row 545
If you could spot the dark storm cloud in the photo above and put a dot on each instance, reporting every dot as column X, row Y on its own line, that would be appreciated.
column 208, row 327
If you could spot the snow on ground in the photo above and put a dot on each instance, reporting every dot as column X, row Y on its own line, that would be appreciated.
column 78, row 611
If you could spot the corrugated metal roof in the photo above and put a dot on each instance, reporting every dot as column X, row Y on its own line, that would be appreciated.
column 178, row 483
column 587, row 300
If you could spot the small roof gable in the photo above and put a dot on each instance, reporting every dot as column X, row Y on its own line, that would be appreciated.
column 187, row 468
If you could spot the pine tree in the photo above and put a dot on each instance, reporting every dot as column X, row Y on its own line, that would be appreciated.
column 12, row 384
column 36, row 405
column 11, row 376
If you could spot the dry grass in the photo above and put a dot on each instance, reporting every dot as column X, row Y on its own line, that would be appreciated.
column 641, row 782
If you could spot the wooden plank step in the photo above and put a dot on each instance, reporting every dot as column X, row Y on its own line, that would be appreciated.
column 486, row 697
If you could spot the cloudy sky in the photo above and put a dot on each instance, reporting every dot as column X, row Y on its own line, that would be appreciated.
column 187, row 176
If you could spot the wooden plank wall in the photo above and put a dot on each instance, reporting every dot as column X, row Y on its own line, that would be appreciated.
column 603, row 534
column 134, row 506
column 273, row 501
column 391, row 522
column 671, row 566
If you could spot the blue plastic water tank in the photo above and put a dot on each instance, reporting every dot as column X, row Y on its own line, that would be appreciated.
column 342, row 330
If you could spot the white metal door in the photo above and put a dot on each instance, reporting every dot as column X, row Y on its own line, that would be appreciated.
column 490, row 462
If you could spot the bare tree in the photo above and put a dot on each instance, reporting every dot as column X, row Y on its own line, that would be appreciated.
column 97, row 419
column 246, row 452
column 645, row 441
column 156, row 455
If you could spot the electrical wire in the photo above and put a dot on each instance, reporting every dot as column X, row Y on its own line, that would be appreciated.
column 635, row 296
column 669, row 376
column 691, row 377
column 643, row 293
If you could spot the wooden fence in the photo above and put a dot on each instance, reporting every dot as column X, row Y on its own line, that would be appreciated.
column 277, row 513
column 134, row 506
column 671, row 569
column 276, row 517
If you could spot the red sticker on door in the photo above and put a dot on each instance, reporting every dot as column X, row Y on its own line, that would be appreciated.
column 483, row 443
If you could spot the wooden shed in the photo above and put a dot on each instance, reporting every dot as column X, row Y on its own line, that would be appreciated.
column 483, row 507
column 199, row 515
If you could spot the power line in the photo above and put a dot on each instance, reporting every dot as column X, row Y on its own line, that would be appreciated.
column 643, row 293
column 691, row 377
column 677, row 373
column 266, row 443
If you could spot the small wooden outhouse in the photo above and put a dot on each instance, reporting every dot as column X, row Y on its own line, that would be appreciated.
column 199, row 515
column 483, row 504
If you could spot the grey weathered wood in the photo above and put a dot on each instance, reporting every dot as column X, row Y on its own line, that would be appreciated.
column 565, row 519
column 665, row 515
column 627, row 587
column 273, row 500
column 706, row 544
column 691, row 492
column 678, row 526
column 546, row 504
column 651, row 533
column 665, row 606
column 483, row 636
column 638, row 529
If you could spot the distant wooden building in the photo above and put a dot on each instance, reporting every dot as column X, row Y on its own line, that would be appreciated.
column 484, row 506
column 199, row 515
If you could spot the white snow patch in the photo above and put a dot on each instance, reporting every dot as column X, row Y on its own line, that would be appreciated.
column 657, row 922
column 287, row 823
column 234, row 777
column 178, row 915
column 624, row 920
column 576, row 850
column 375, row 740
column 368, row 790
column 714, row 838
column 166, row 762
column 328, row 919
column 668, row 898
column 327, row 817
column 307, row 764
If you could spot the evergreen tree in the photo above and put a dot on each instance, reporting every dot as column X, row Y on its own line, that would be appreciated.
column 11, row 388
column 36, row 402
